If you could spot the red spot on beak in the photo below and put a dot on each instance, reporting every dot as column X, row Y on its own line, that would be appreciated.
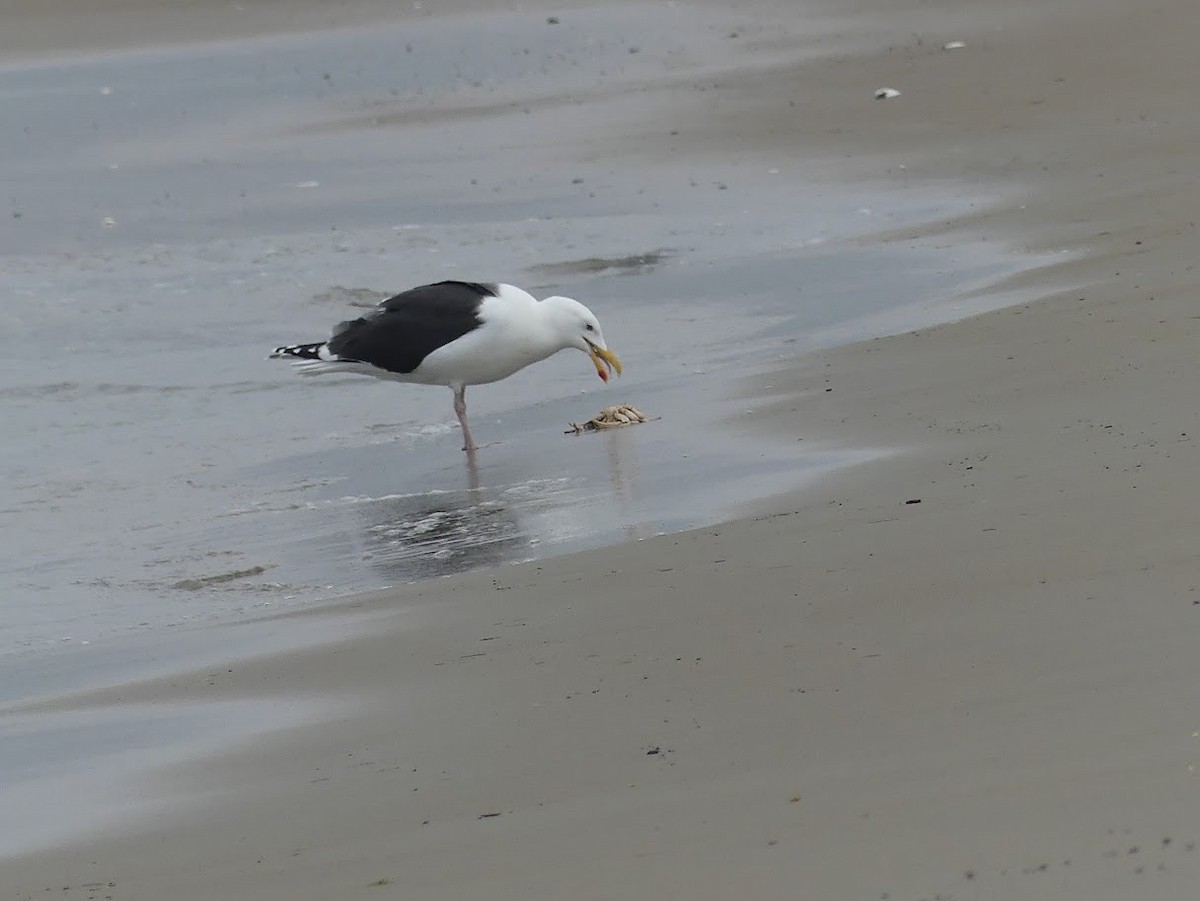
column 603, row 375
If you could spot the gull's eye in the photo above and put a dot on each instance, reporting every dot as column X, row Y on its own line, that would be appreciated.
column 590, row 327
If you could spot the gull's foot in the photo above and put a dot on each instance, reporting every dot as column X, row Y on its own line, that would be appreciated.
column 471, row 448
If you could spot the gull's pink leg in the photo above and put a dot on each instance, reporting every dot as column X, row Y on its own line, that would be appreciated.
column 460, row 410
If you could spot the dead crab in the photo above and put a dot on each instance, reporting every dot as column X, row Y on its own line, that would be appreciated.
column 614, row 417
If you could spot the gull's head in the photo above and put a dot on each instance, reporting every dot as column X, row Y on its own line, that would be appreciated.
column 581, row 329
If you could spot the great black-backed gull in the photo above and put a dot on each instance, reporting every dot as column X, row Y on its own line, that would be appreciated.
column 456, row 334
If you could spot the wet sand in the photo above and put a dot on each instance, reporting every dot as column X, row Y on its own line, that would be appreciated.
column 177, row 212
column 63, row 28
column 965, row 670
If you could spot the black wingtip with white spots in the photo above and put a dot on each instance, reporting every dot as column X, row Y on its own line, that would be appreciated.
column 300, row 351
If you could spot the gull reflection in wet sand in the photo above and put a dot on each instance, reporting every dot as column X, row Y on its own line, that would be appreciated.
column 424, row 535
column 443, row 531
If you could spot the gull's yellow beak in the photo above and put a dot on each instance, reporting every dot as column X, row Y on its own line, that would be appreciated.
column 604, row 360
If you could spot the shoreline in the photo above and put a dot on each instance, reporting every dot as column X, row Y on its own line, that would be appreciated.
column 849, row 691
column 744, row 228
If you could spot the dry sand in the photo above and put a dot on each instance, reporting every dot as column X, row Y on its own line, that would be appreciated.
column 986, row 694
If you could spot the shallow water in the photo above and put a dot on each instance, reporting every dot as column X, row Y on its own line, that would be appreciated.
column 174, row 215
